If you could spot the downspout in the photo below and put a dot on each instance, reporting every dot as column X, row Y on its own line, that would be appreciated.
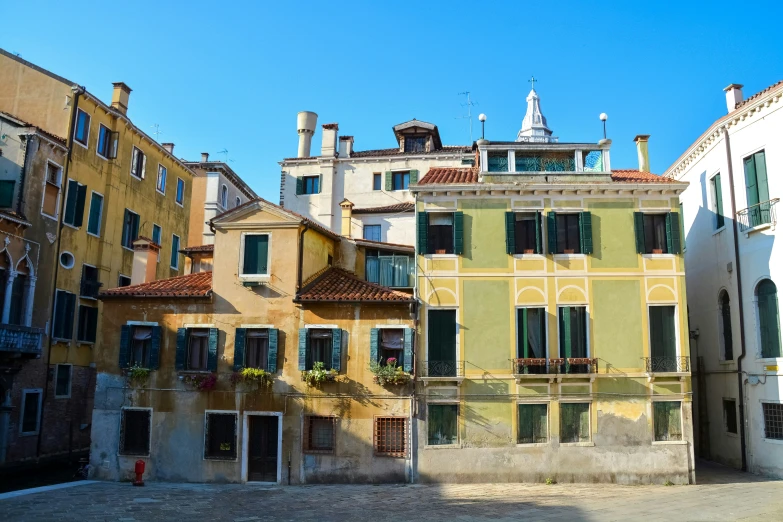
column 77, row 92
column 300, row 261
column 740, row 380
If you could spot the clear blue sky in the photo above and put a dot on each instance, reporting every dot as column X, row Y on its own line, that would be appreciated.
column 232, row 75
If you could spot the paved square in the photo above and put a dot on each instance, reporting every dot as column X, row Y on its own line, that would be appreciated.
column 722, row 495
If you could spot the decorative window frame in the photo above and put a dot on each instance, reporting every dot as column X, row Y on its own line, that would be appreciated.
column 261, row 278
column 56, row 217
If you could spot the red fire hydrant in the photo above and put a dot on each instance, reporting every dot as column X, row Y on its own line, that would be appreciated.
column 139, row 472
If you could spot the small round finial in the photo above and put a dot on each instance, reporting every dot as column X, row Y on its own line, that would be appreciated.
column 603, row 116
column 482, row 117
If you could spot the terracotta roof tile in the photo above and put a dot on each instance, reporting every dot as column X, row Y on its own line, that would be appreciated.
column 309, row 222
column 757, row 95
column 382, row 245
column 337, row 285
column 191, row 285
column 388, row 209
column 442, row 176
column 198, row 249
column 637, row 176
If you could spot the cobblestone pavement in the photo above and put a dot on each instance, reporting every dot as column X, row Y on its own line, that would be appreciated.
column 722, row 495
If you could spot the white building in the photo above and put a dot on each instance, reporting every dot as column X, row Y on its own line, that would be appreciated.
column 734, row 265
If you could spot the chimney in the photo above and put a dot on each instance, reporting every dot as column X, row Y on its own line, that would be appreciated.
column 733, row 96
column 119, row 98
column 145, row 260
column 346, row 146
column 305, row 127
column 204, row 157
column 641, row 149
column 329, row 139
column 169, row 147
column 347, row 209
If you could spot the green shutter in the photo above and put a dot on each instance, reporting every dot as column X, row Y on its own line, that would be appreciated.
column 407, row 356
column 682, row 228
column 551, row 231
column 586, row 235
column 271, row 356
column 414, row 177
column 81, row 196
column 213, row 343
column 523, row 340
column 299, row 186
column 511, row 247
column 388, row 181
column 422, row 222
column 157, row 332
column 69, row 314
column 638, row 223
column 525, row 424
column 70, row 202
column 539, row 246
column 761, row 176
column 93, row 221
column 673, row 233
column 337, row 346
column 303, row 342
column 374, row 338
column 239, row 348
column 459, row 232
column 718, row 201
column 769, row 319
column 566, row 331
column 320, row 179
column 182, row 348
column 751, row 185
column 7, row 193
column 125, row 332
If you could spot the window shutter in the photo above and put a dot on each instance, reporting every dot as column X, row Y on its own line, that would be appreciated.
column 586, row 236
column 143, row 165
column 125, row 332
column 459, row 232
column 157, row 333
column 182, row 347
column 239, row 348
column 337, row 345
column 213, row 343
column 320, row 179
column 115, row 139
column 682, row 229
column 81, row 196
column 407, row 355
column 303, row 342
column 421, row 232
column 551, row 231
column 374, row 338
column 539, row 247
column 761, row 176
column 69, row 314
column 70, row 202
column 566, row 333
column 271, row 356
column 511, row 248
column 134, row 161
column 673, row 232
column 524, row 339
column 413, row 177
column 299, row 186
column 388, row 181
column 638, row 223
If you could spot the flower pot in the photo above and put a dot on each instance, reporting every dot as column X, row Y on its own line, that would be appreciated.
column 568, row 251
column 528, row 251
column 657, row 251
column 440, row 251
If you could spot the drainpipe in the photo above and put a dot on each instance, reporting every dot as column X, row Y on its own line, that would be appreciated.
column 301, row 259
column 740, row 380
column 77, row 91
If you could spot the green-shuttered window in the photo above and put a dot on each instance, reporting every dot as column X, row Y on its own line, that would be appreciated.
column 725, row 325
column 440, row 232
column 574, row 422
column 769, row 319
column 255, row 259
column 175, row 251
column 663, row 339
column 442, row 424
column 74, row 203
column 657, row 233
column 255, row 348
column 62, row 325
column 531, row 333
column 573, row 331
column 322, row 345
column 532, row 425
column 96, row 213
column 757, row 189
column 570, row 233
column 197, row 349
column 523, row 233
column 717, row 198
column 667, row 420
column 441, row 343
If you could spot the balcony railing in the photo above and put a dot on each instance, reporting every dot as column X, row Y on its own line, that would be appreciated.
column 557, row 366
column 442, row 369
column 20, row 339
column 667, row 364
column 759, row 214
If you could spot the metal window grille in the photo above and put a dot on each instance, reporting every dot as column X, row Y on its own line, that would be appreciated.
column 773, row 420
column 319, row 434
column 391, row 436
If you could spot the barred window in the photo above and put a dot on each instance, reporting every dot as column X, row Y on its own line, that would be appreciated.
column 319, row 434
column 135, row 431
column 220, row 440
column 390, row 436
column 773, row 420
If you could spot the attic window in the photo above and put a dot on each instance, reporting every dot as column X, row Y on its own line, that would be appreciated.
column 415, row 143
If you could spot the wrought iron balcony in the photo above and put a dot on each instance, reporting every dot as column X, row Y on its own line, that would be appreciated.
column 442, row 369
column 556, row 366
column 525, row 366
column 759, row 214
column 20, row 340
column 667, row 364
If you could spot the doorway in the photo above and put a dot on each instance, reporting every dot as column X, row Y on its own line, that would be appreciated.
column 262, row 447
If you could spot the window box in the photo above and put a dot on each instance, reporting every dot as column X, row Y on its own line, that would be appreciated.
column 137, row 375
column 252, row 378
column 389, row 373
column 200, row 381
column 318, row 375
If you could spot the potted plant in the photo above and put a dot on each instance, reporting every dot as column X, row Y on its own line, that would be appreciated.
column 657, row 251
column 568, row 251
column 318, row 375
column 137, row 375
column 201, row 381
column 389, row 373
column 252, row 378
column 440, row 250
column 529, row 251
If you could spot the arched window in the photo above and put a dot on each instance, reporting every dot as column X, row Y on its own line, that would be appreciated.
column 725, row 326
column 237, row 202
column 769, row 323
column 224, row 196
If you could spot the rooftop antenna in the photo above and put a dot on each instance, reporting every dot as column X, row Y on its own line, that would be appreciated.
column 469, row 104
column 225, row 155
column 157, row 132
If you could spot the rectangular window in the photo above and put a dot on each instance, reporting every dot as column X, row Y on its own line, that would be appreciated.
column 96, row 213
column 717, row 198
column 220, row 439
column 442, row 333
column 198, row 349
column 62, row 380
column 573, row 331
column 180, row 191
column 497, row 161
column 531, row 333
column 377, row 181
column 74, row 203
column 663, row 338
column 51, row 197
column 123, row 280
column 319, row 434
column 156, row 234
column 130, row 229
column 415, row 143
column 730, row 415
column 773, row 420
column 400, row 180
column 30, row 412
column 320, row 346
column 135, row 432
column 140, row 344
column 90, row 284
column 574, row 422
column 667, row 420
column 372, row 232
column 257, row 348
column 138, row 163
column 62, row 325
column 655, row 234
column 161, row 182
column 104, row 142
column 311, row 184
column 757, row 189
column 568, row 234
column 7, row 193
column 442, row 424
column 392, row 345
column 255, row 258
column 88, row 324
column 81, row 133
column 440, row 233
column 175, row 251
column 527, row 233
column 390, row 436
column 532, row 422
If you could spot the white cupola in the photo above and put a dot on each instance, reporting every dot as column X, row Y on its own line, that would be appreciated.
column 534, row 126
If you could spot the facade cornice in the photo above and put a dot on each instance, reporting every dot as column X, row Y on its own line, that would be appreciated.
column 372, row 159
column 484, row 189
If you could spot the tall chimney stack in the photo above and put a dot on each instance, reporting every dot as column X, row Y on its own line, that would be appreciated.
column 305, row 127
column 204, row 157
column 346, row 146
column 169, row 147
column 643, row 152
column 329, row 139
column 345, row 223
column 120, row 96
column 733, row 96
column 145, row 260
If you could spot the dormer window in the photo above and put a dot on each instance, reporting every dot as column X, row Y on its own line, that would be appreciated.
column 255, row 257
column 415, row 143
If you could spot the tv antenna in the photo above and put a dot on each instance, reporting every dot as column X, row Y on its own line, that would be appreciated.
column 157, row 132
column 225, row 155
column 469, row 104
